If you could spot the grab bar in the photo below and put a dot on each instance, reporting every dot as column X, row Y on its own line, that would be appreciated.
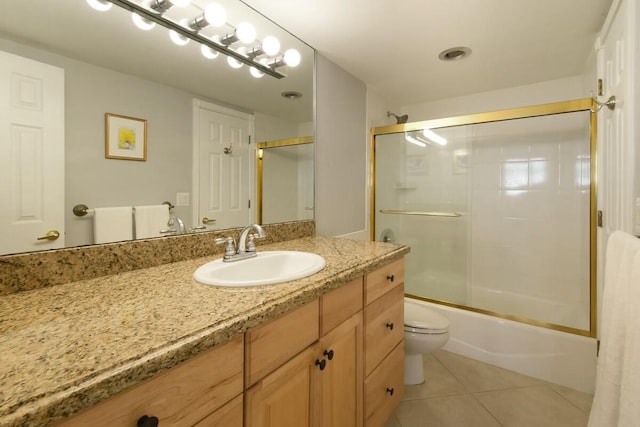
column 83, row 210
column 420, row 213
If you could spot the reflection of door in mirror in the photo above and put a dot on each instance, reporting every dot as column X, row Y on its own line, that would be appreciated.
column 224, row 167
column 32, row 159
column 285, row 164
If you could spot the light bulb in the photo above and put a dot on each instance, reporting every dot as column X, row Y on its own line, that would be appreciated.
column 292, row 57
column 179, row 39
column 208, row 53
column 180, row 3
column 215, row 15
column 100, row 5
column 246, row 32
column 271, row 46
column 257, row 73
column 142, row 23
column 233, row 62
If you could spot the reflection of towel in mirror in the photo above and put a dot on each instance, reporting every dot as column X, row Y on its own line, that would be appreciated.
column 615, row 401
column 112, row 224
column 150, row 220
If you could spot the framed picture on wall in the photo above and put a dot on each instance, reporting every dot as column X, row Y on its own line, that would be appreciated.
column 125, row 137
column 461, row 161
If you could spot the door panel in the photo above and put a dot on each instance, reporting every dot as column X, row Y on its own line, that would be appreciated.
column 225, row 157
column 32, row 166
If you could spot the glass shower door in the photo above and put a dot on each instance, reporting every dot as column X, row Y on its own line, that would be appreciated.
column 498, row 215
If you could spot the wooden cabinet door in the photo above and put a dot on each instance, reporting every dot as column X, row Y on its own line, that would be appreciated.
column 287, row 396
column 341, row 379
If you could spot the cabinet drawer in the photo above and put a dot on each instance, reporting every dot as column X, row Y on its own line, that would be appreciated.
column 230, row 415
column 340, row 304
column 182, row 396
column 384, row 279
column 383, row 389
column 271, row 345
column 384, row 326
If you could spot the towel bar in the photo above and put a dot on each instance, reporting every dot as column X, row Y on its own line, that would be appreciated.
column 82, row 209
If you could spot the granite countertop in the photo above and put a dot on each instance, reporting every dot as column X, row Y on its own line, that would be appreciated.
column 70, row 346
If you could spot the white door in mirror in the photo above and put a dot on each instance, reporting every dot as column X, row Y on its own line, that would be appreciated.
column 32, row 159
column 267, row 268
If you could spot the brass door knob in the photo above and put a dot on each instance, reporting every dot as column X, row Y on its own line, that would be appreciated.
column 51, row 235
column 206, row 221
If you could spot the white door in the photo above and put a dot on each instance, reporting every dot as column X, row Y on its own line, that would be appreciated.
column 616, row 136
column 225, row 161
column 32, row 159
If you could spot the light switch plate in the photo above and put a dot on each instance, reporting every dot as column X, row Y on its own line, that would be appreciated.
column 182, row 199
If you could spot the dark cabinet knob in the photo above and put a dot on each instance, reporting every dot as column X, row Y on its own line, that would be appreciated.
column 391, row 278
column 390, row 326
column 321, row 363
column 329, row 354
column 147, row 421
column 390, row 391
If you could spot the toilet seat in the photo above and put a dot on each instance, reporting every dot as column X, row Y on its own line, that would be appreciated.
column 422, row 320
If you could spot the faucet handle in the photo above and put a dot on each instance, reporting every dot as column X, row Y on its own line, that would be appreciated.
column 230, row 249
column 251, row 246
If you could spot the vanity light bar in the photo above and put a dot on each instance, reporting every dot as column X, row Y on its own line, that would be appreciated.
column 167, row 23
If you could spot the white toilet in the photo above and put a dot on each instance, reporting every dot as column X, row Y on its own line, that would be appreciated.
column 425, row 331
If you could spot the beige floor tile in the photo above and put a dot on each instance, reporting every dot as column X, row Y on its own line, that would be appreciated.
column 438, row 382
column 537, row 406
column 581, row 400
column 453, row 411
column 478, row 376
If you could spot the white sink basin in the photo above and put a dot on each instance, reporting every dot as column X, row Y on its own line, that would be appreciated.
column 267, row 268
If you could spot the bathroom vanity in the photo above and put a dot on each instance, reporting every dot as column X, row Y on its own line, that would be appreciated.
column 154, row 343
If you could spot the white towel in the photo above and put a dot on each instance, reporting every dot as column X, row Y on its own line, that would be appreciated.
column 615, row 402
column 112, row 224
column 150, row 220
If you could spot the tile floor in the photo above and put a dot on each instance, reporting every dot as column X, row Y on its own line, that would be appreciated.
column 462, row 392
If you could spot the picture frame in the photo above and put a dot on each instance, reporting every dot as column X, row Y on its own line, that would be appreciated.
column 125, row 137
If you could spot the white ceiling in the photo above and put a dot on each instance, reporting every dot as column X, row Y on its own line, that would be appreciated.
column 393, row 45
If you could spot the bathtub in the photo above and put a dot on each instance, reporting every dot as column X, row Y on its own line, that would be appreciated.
column 570, row 314
column 558, row 357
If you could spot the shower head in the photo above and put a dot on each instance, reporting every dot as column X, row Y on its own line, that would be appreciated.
column 399, row 119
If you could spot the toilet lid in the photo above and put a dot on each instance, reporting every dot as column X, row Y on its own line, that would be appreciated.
column 421, row 317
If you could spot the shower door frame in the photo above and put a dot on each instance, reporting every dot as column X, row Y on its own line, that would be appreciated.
column 572, row 106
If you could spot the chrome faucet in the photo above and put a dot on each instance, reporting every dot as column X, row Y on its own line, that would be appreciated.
column 246, row 247
column 174, row 220
column 244, row 234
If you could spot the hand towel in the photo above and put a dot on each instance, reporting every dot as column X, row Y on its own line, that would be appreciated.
column 150, row 220
column 112, row 224
column 615, row 402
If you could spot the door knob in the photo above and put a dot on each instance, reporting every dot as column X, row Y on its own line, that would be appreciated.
column 51, row 235
column 206, row 220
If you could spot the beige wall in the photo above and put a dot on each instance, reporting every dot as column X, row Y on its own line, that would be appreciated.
column 341, row 135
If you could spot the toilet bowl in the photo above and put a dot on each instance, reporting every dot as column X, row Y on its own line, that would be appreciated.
column 425, row 331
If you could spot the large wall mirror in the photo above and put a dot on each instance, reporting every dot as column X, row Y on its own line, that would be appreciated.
column 109, row 66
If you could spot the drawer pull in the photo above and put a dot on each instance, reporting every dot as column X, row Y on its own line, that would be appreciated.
column 390, row 391
column 391, row 278
column 329, row 354
column 390, row 326
column 146, row 421
column 322, row 363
